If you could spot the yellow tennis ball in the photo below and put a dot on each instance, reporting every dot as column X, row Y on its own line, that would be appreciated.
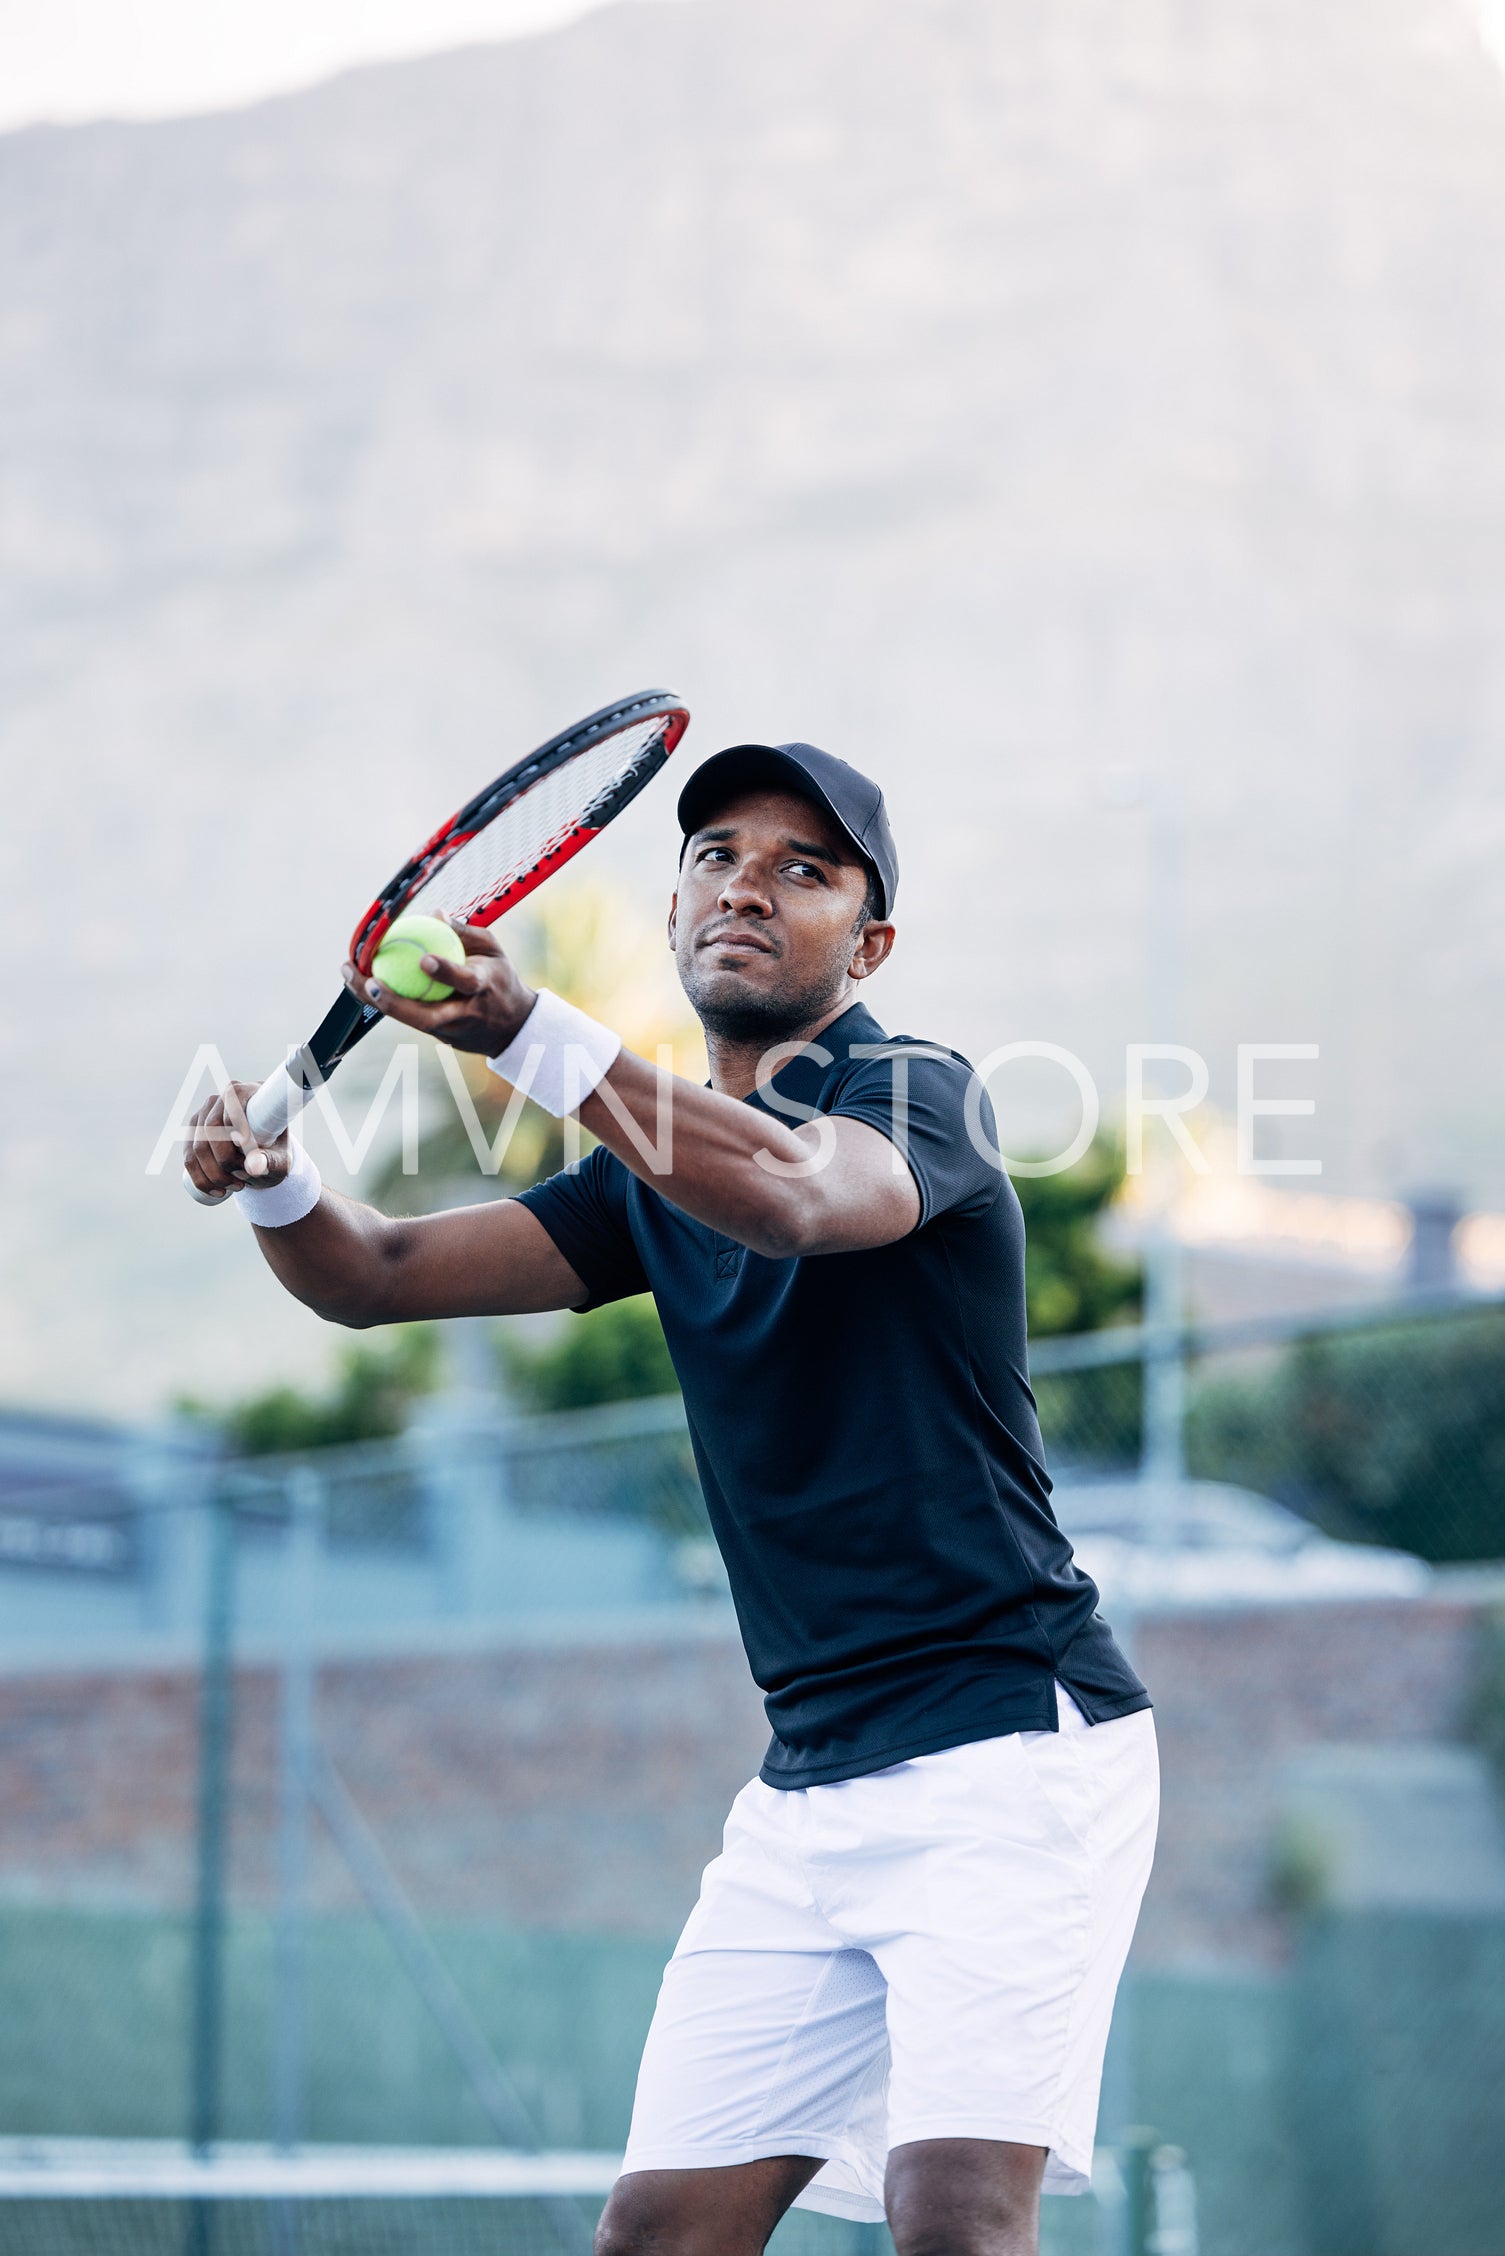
column 404, row 941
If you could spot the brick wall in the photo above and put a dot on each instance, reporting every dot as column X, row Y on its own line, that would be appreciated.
column 586, row 1787
column 576, row 1787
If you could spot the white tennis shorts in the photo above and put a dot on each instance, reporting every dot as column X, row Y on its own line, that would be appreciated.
column 928, row 1952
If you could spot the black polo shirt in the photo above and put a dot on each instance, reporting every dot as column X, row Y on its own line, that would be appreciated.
column 865, row 1432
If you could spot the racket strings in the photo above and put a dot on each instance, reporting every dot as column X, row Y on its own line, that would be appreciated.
column 531, row 827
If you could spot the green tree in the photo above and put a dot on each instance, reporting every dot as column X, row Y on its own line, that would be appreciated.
column 614, row 1354
column 592, row 945
column 1071, row 1283
column 1393, row 1436
column 368, row 1401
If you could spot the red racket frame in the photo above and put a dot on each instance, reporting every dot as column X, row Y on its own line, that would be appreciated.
column 474, row 816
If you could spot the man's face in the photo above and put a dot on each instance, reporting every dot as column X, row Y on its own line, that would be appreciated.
column 768, row 922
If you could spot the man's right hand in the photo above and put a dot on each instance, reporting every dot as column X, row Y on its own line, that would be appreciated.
column 222, row 1156
column 354, row 1266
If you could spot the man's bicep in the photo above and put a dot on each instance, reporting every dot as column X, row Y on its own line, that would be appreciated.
column 938, row 1122
column 873, row 1196
column 490, row 1260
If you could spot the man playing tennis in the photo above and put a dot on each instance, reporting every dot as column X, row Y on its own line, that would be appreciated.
column 894, row 1993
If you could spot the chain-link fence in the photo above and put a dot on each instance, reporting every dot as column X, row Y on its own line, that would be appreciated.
column 1381, row 1425
column 355, row 1802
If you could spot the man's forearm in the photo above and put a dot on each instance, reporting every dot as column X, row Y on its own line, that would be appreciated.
column 777, row 1190
column 710, row 1143
column 354, row 1266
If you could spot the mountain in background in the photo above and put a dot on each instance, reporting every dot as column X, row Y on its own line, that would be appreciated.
column 1000, row 392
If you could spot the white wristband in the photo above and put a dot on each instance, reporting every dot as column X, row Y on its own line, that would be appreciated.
column 558, row 1056
column 273, row 1207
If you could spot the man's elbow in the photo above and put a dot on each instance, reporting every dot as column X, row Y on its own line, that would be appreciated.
column 784, row 1227
column 350, row 1318
column 363, row 1297
column 801, row 1216
column 363, row 1291
column 354, row 1308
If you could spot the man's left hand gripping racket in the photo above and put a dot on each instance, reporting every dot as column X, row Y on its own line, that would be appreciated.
column 495, row 852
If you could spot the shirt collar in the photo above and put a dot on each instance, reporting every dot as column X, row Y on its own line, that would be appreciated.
column 802, row 1076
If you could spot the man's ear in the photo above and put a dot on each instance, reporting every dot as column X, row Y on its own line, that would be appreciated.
column 873, row 949
column 673, row 919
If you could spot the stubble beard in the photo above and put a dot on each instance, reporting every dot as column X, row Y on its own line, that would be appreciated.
column 730, row 1013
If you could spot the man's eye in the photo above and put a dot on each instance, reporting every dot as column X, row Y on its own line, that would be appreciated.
column 807, row 869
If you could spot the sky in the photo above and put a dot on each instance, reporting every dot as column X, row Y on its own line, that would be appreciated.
column 65, row 60
column 1492, row 28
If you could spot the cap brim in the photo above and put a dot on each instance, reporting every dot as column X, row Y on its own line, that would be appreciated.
column 753, row 767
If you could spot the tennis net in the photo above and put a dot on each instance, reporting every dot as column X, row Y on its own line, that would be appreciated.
column 151, row 2197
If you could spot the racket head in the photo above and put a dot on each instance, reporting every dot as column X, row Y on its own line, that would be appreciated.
column 531, row 820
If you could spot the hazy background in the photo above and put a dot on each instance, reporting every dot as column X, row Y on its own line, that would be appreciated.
column 999, row 393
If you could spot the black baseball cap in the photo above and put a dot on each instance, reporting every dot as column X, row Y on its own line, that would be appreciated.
column 853, row 800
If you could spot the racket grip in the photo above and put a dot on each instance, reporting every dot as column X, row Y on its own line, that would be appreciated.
column 279, row 1099
column 275, row 1103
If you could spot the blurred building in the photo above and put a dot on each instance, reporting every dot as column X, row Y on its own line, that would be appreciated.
column 1253, row 1249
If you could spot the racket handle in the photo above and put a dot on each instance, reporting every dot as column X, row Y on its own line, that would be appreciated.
column 279, row 1099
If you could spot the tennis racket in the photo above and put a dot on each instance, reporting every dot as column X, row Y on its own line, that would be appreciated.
column 497, row 850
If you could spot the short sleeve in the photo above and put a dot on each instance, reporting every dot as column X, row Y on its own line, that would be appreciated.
column 928, row 1103
column 584, row 1211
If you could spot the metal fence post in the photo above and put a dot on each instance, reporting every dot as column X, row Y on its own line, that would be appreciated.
column 1164, row 1368
column 1136, row 2149
column 305, row 1497
column 1174, row 2204
column 1151, row 2209
column 216, row 1699
column 1162, row 1474
column 458, row 1438
column 1162, row 1464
